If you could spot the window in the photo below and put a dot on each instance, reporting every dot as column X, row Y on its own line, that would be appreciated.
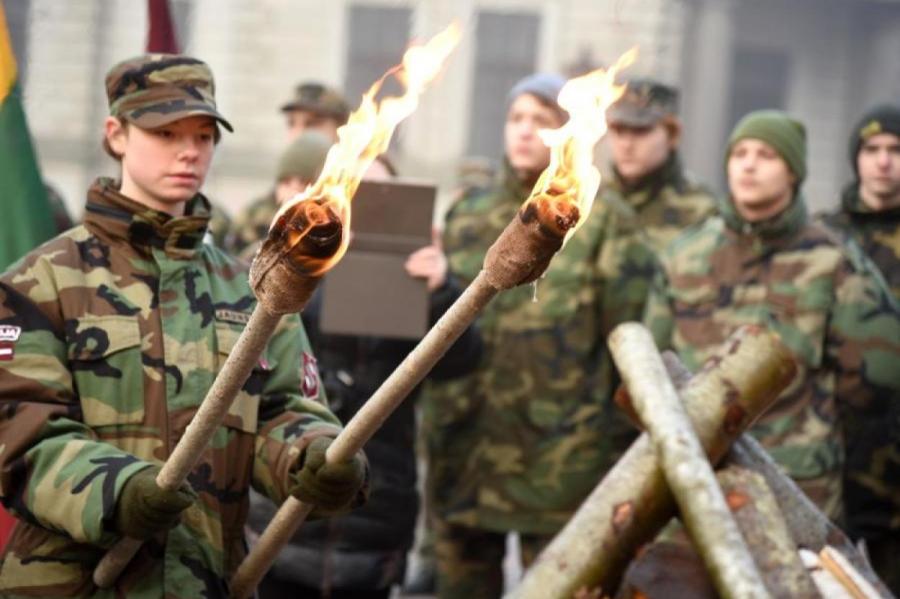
column 378, row 36
column 506, row 51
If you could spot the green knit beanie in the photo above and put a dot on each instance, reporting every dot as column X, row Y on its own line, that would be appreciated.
column 304, row 158
column 785, row 134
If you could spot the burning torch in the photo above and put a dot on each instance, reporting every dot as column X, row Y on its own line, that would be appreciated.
column 559, row 203
column 308, row 236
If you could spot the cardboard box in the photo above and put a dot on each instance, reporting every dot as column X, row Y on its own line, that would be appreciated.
column 368, row 292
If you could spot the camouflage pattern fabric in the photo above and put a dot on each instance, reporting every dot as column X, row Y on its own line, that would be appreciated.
column 111, row 336
column 872, row 485
column 218, row 228
column 470, row 561
column 825, row 302
column 877, row 233
column 519, row 444
column 251, row 226
column 153, row 90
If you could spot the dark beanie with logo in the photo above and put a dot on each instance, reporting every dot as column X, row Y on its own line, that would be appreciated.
column 784, row 133
column 884, row 118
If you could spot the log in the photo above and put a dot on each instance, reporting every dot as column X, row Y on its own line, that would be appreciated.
column 688, row 472
column 808, row 526
column 632, row 503
column 764, row 529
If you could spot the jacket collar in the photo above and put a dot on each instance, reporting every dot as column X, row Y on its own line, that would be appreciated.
column 648, row 187
column 112, row 215
column 852, row 204
column 781, row 226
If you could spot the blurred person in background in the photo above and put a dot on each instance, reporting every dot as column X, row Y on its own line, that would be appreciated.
column 298, row 167
column 870, row 216
column 516, row 445
column 761, row 262
column 649, row 199
column 313, row 108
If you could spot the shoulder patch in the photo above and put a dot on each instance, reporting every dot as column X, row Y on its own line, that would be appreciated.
column 309, row 376
column 9, row 334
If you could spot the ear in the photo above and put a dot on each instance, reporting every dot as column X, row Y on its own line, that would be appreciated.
column 116, row 133
column 673, row 128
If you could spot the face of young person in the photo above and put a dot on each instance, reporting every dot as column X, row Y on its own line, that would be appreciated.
column 638, row 151
column 164, row 167
column 760, row 181
column 525, row 150
column 878, row 164
column 300, row 121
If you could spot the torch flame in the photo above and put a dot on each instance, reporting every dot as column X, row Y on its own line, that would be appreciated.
column 568, row 185
column 366, row 135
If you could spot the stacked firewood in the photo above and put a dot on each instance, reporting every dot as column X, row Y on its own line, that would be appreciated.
column 751, row 532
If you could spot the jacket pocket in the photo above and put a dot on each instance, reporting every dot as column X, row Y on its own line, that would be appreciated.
column 105, row 358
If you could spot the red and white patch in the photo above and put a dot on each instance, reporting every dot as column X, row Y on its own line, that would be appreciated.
column 8, row 336
column 309, row 383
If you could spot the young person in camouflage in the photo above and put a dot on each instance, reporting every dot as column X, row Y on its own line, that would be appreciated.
column 870, row 215
column 761, row 262
column 650, row 200
column 110, row 337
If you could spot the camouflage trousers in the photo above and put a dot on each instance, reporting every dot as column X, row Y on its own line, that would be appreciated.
column 470, row 560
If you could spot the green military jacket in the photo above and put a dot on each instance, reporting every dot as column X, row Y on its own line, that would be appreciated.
column 110, row 336
column 824, row 302
column 520, row 443
column 877, row 233
column 872, row 485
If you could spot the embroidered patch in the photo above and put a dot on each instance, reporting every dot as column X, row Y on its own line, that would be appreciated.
column 309, row 384
column 8, row 336
column 871, row 128
column 232, row 316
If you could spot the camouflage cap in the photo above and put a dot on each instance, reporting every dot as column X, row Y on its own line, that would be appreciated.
column 319, row 99
column 643, row 104
column 156, row 89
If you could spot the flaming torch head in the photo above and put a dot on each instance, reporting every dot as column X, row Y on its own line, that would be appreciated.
column 563, row 195
column 310, row 233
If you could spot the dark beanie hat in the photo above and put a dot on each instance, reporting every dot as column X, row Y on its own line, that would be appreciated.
column 304, row 158
column 785, row 134
column 545, row 86
column 884, row 118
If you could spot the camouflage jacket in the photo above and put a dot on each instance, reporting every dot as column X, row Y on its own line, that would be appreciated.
column 112, row 334
column 877, row 233
column 251, row 226
column 520, row 443
column 824, row 302
column 641, row 221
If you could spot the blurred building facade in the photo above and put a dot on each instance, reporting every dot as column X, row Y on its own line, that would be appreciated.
column 824, row 60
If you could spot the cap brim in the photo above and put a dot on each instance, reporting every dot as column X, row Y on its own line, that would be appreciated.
column 151, row 119
column 630, row 116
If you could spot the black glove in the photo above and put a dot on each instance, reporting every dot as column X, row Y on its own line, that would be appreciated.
column 331, row 488
column 145, row 509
